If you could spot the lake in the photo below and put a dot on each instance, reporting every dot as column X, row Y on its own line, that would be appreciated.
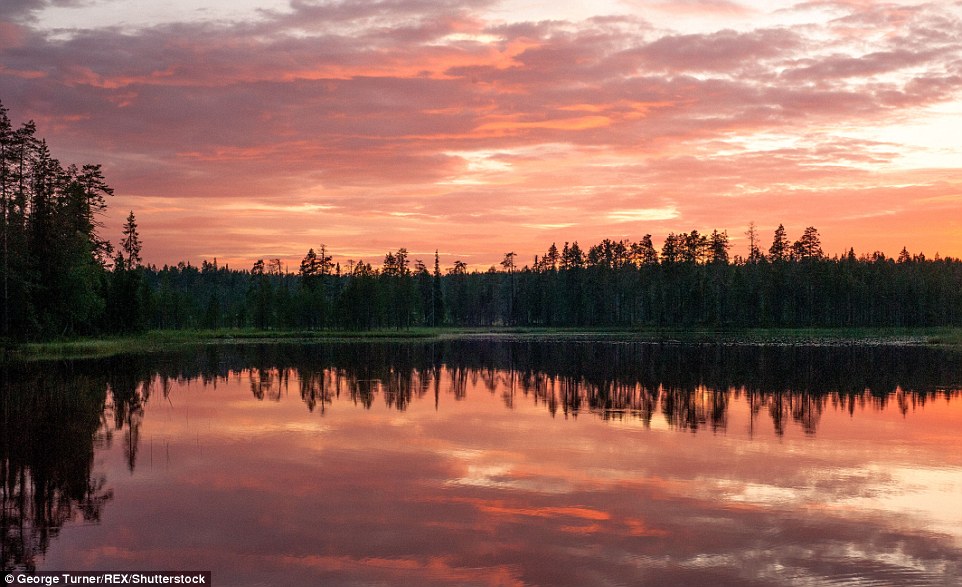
column 491, row 462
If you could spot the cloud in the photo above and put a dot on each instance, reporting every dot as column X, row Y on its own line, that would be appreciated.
column 725, row 51
column 643, row 214
column 26, row 9
column 698, row 7
column 371, row 107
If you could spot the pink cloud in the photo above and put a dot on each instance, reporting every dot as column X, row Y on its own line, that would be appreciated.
column 414, row 123
column 696, row 7
column 725, row 51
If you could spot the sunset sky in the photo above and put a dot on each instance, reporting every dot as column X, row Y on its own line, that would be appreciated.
column 245, row 129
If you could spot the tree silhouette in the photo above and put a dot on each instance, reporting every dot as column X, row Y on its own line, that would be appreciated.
column 780, row 249
column 809, row 246
column 130, row 243
column 754, row 253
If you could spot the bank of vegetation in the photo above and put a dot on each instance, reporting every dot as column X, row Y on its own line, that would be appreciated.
column 62, row 279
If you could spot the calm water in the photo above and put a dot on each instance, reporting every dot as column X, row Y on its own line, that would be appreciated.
column 491, row 463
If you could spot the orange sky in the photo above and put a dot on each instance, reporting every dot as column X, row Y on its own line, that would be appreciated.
column 245, row 129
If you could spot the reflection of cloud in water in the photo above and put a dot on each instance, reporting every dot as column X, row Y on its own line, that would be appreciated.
column 765, row 494
column 502, row 475
column 933, row 496
column 383, row 470
column 303, row 427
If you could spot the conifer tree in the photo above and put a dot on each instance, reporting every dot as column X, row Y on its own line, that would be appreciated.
column 130, row 243
column 809, row 246
column 671, row 249
column 754, row 253
column 780, row 249
column 643, row 252
column 718, row 244
column 310, row 268
column 6, row 191
column 437, row 297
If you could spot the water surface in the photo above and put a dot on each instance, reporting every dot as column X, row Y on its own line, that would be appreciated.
column 491, row 463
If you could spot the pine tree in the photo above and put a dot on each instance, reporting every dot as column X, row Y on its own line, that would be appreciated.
column 643, row 252
column 53, row 260
column 260, row 295
column 809, row 246
column 572, row 257
column 754, row 253
column 325, row 264
column 718, row 244
column 127, row 298
column 310, row 268
column 671, row 249
column 95, row 188
column 552, row 257
column 780, row 249
column 694, row 247
column 6, row 191
column 437, row 299
column 130, row 244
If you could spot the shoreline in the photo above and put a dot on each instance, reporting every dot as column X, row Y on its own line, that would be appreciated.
column 160, row 340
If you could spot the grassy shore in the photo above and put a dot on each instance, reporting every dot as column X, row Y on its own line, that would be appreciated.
column 171, row 339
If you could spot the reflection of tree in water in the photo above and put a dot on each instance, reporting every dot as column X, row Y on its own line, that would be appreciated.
column 459, row 381
column 127, row 398
column 51, row 425
column 317, row 389
column 269, row 382
column 691, row 386
column 56, row 415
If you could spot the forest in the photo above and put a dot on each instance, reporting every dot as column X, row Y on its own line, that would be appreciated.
column 61, row 278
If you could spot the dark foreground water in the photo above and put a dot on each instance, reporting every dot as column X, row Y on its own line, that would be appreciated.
column 491, row 463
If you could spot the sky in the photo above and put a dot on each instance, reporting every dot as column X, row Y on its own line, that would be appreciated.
column 246, row 129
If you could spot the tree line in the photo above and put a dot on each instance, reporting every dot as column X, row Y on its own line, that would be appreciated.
column 60, row 277
column 691, row 281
